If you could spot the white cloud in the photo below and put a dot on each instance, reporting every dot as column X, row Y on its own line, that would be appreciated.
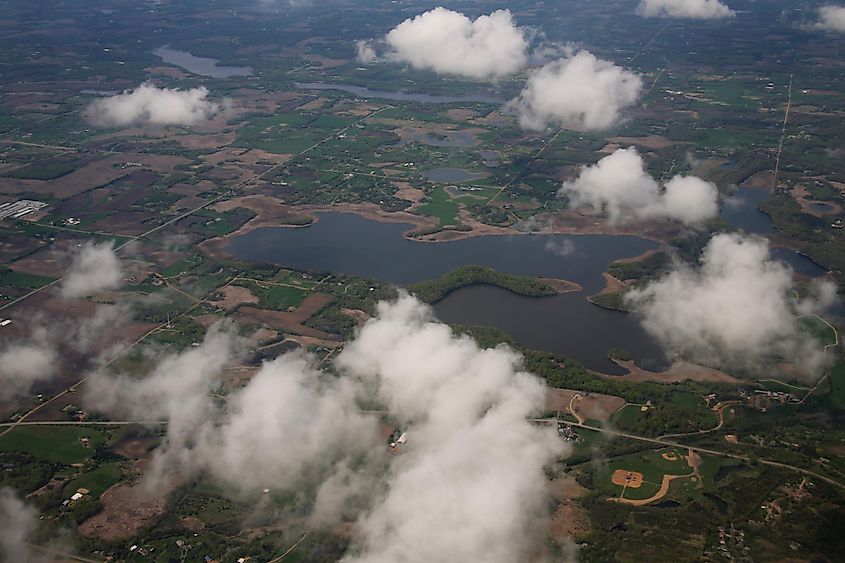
column 831, row 18
column 582, row 90
column 620, row 186
column 291, row 422
column 177, row 390
column 735, row 309
column 148, row 104
column 562, row 248
column 689, row 9
column 466, row 411
column 365, row 53
column 95, row 267
column 25, row 363
column 472, row 472
column 17, row 522
column 448, row 42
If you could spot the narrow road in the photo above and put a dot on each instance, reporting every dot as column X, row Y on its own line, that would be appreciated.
column 782, row 134
column 73, row 388
column 667, row 443
column 517, row 175
column 718, row 409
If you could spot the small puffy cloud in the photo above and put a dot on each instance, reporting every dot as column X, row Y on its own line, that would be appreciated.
column 150, row 105
column 620, row 186
column 687, row 9
column 736, row 309
column 25, row 363
column 95, row 267
column 582, row 89
column 365, row 53
column 449, row 42
column 291, row 422
column 17, row 522
column 831, row 18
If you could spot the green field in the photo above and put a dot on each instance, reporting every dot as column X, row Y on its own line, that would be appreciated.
column 17, row 279
column 837, row 386
column 96, row 481
column 653, row 467
column 438, row 204
column 61, row 444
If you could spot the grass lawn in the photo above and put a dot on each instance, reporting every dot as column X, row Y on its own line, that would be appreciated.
column 60, row 444
column 96, row 481
column 626, row 416
column 441, row 206
column 837, row 386
column 653, row 467
column 17, row 279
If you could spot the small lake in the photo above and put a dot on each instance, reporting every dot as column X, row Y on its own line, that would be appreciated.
column 363, row 92
column 200, row 65
column 461, row 139
column 821, row 207
column 451, row 175
column 565, row 324
column 741, row 211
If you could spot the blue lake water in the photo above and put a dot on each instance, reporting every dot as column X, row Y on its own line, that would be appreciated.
column 363, row 92
column 741, row 212
column 566, row 324
column 200, row 65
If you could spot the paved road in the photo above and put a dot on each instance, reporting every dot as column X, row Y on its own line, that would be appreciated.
column 669, row 443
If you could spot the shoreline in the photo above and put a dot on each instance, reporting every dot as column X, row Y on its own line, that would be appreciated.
column 266, row 216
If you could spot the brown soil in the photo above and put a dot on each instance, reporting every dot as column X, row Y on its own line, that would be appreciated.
column 192, row 523
column 561, row 286
column 761, row 180
column 360, row 316
column 192, row 189
column 234, row 295
column 92, row 175
column 289, row 322
column 575, row 223
column 269, row 212
column 126, row 510
column 801, row 195
column 585, row 405
column 404, row 190
column 134, row 448
column 249, row 157
column 629, row 479
column 326, row 62
column 650, row 142
column 569, row 518
column 612, row 285
column 170, row 72
column 680, row 371
column 128, row 223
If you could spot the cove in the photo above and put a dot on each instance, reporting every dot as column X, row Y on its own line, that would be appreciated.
column 741, row 212
column 565, row 324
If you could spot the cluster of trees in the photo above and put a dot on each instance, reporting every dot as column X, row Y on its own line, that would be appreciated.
column 435, row 290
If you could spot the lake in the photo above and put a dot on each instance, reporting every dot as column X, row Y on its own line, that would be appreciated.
column 200, row 65
column 741, row 212
column 565, row 324
column 363, row 92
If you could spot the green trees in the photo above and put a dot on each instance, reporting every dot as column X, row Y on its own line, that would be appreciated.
column 434, row 290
